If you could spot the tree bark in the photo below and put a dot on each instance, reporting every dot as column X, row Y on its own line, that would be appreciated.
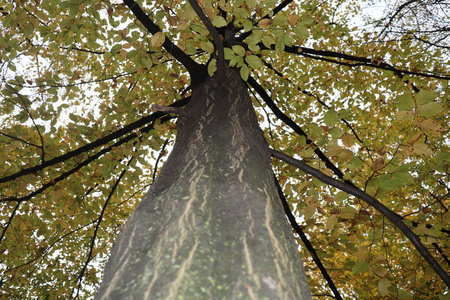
column 212, row 225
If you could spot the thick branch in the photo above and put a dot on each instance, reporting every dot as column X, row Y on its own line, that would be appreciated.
column 102, row 141
column 390, row 215
column 362, row 61
column 196, row 71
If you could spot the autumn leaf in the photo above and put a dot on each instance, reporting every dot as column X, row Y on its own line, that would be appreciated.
column 157, row 40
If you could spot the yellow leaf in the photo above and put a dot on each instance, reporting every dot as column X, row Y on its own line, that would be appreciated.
column 331, row 222
column 415, row 138
column 312, row 201
column 383, row 284
column 380, row 271
column 348, row 139
column 422, row 149
column 292, row 19
column 157, row 40
column 431, row 127
column 334, row 149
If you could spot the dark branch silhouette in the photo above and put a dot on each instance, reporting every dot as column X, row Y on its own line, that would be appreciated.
column 306, row 241
column 390, row 215
column 97, row 226
column 196, row 71
column 305, row 92
column 215, row 35
column 360, row 61
column 289, row 122
column 99, row 142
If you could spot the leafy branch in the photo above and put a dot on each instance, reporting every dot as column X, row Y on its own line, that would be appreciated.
column 99, row 142
column 289, row 122
column 347, row 60
column 215, row 35
column 305, row 92
column 390, row 215
column 97, row 226
column 196, row 71
column 305, row 240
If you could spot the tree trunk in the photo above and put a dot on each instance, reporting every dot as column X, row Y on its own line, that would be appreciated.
column 212, row 225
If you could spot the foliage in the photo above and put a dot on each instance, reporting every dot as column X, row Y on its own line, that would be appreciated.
column 79, row 139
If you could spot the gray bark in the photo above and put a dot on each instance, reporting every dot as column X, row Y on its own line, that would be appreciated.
column 212, row 225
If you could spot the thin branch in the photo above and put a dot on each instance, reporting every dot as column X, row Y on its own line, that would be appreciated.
column 97, row 226
column 217, row 42
column 390, row 215
column 283, row 117
column 305, row 92
column 305, row 240
column 20, row 140
column 362, row 61
column 99, row 142
column 160, row 155
column 9, row 221
column 388, row 23
column 47, row 250
column 276, row 10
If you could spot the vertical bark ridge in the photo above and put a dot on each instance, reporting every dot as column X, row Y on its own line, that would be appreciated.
column 212, row 225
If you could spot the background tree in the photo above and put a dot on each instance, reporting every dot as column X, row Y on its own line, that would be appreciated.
column 79, row 137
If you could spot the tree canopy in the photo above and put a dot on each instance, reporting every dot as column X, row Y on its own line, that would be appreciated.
column 366, row 107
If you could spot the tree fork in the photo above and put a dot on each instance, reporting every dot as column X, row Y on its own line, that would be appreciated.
column 212, row 225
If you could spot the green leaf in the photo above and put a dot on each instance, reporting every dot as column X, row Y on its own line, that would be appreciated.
column 268, row 41
column 228, row 53
column 301, row 32
column 244, row 72
column 253, row 61
column 207, row 46
column 28, row 29
column 423, row 97
column 383, row 285
column 360, row 267
column 239, row 50
column 429, row 109
column 404, row 102
column 219, row 21
column 391, row 185
column 212, row 67
column 331, row 117
column 357, row 162
column 331, row 222
column 336, row 132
